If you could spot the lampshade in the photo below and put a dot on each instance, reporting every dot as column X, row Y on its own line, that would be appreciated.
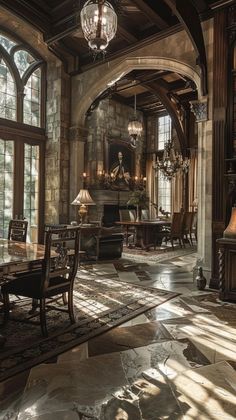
column 99, row 23
column 83, row 198
column 230, row 231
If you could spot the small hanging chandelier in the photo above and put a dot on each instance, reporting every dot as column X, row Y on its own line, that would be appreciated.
column 135, row 127
column 171, row 162
column 99, row 24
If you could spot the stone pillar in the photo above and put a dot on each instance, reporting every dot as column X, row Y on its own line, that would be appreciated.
column 78, row 137
column 57, row 145
column 204, row 187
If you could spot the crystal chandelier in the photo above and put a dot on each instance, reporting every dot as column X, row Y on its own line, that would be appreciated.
column 134, row 127
column 99, row 24
column 171, row 162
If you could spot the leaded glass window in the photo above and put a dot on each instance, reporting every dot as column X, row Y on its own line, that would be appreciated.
column 164, row 186
column 164, row 131
column 7, row 93
column 23, row 60
column 31, row 183
column 20, row 99
column 164, row 193
column 21, row 80
column 6, row 43
column 32, row 99
column 6, row 185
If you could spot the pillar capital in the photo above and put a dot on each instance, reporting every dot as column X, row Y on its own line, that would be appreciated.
column 200, row 109
column 78, row 133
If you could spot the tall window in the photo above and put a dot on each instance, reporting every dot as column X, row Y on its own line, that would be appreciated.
column 164, row 186
column 21, row 84
column 6, row 185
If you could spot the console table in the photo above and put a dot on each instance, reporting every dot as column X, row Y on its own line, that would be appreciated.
column 227, row 269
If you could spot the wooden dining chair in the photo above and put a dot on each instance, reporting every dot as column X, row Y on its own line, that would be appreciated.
column 56, row 277
column 193, row 230
column 17, row 230
column 176, row 230
column 129, row 231
column 187, row 225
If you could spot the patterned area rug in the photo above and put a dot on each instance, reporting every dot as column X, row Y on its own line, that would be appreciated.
column 160, row 255
column 100, row 304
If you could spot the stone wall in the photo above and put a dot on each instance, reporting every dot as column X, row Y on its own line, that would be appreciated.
column 57, row 145
column 110, row 122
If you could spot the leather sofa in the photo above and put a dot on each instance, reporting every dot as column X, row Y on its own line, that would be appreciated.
column 101, row 243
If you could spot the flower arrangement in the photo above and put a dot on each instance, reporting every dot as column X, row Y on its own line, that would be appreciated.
column 138, row 198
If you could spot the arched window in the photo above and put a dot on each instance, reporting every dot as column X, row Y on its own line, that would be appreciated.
column 22, row 132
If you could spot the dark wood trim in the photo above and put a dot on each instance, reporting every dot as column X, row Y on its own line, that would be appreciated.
column 41, row 193
column 131, row 48
column 189, row 17
column 220, row 102
column 10, row 129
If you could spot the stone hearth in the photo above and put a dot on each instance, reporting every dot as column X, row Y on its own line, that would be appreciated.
column 113, row 199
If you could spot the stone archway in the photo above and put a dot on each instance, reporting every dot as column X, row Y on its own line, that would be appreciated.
column 115, row 72
column 89, row 87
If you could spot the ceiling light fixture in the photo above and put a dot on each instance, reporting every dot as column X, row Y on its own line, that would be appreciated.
column 135, row 127
column 99, row 24
column 171, row 162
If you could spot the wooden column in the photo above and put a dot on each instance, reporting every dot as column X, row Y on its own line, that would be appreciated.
column 220, row 102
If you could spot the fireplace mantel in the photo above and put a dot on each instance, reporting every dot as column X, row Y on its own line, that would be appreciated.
column 110, row 197
column 106, row 197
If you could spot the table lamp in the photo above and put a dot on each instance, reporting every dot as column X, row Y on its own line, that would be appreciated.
column 83, row 200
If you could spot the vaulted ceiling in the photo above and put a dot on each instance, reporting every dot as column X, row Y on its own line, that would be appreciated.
column 139, row 22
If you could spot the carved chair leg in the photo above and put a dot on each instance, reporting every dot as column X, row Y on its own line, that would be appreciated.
column 43, row 317
column 190, row 239
column 64, row 298
column 71, row 306
column 6, row 306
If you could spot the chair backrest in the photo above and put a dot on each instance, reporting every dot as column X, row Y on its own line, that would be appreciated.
column 177, row 224
column 194, row 222
column 132, row 215
column 145, row 214
column 17, row 230
column 61, row 257
column 188, row 220
column 124, row 215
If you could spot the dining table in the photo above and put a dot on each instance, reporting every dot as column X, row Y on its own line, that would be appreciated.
column 17, row 257
column 148, row 232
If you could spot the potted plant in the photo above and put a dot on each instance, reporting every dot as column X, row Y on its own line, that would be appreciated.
column 139, row 199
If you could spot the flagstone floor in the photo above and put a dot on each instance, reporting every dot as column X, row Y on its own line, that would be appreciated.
column 177, row 361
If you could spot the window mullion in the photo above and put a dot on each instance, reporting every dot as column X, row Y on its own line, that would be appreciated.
column 18, row 179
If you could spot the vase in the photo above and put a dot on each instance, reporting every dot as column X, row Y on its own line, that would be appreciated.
column 200, row 279
column 137, row 214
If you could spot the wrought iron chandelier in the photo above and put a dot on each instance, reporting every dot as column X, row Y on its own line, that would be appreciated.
column 99, row 24
column 171, row 162
column 134, row 127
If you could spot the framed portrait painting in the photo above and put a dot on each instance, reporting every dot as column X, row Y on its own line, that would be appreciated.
column 120, row 165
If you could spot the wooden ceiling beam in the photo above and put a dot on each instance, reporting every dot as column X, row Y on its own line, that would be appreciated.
column 29, row 13
column 200, row 5
column 162, row 94
column 125, row 34
column 189, row 17
column 150, row 14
